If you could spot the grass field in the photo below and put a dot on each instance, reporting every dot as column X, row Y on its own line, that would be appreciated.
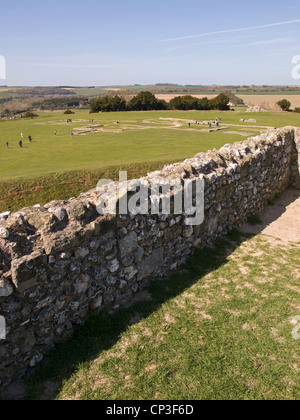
column 58, row 167
column 221, row 328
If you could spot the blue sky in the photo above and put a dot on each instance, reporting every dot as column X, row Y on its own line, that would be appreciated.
column 136, row 41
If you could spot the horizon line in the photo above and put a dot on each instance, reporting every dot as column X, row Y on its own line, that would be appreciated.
column 191, row 85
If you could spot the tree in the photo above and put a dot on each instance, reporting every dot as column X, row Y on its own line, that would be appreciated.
column 96, row 106
column 117, row 104
column 204, row 104
column 188, row 102
column 176, row 103
column 220, row 102
column 144, row 101
column 29, row 114
column 284, row 104
column 162, row 105
column 108, row 104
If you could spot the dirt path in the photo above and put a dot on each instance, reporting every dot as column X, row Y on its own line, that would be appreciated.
column 282, row 220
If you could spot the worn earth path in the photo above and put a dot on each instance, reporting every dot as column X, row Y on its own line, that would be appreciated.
column 282, row 220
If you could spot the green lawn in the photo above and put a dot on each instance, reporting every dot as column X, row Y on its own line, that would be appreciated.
column 38, row 171
column 221, row 328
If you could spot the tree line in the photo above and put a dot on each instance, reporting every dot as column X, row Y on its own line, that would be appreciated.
column 61, row 103
column 147, row 101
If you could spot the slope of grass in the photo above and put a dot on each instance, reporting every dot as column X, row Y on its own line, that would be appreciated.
column 221, row 328
column 15, row 195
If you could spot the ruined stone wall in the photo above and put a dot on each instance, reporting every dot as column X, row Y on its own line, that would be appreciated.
column 295, row 161
column 60, row 262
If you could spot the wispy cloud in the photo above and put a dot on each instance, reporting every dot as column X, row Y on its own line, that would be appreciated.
column 228, row 31
column 275, row 41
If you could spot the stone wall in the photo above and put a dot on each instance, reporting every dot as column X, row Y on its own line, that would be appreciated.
column 63, row 261
column 295, row 161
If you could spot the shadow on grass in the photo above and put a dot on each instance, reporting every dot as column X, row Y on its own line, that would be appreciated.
column 103, row 330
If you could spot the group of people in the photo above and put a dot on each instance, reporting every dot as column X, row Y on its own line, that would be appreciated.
column 55, row 133
column 69, row 120
column 217, row 121
column 20, row 142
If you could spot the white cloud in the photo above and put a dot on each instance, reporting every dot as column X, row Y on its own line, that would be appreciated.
column 268, row 42
column 228, row 31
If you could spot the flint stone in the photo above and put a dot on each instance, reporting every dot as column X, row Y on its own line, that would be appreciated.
column 35, row 360
column 151, row 264
column 82, row 284
column 111, row 280
column 188, row 231
column 97, row 303
column 4, row 216
column 6, row 288
column 172, row 232
column 81, row 253
column 113, row 266
column 100, row 274
column 128, row 244
column 29, row 270
column 138, row 254
column 130, row 272
column 4, row 233
column 123, row 284
column 25, row 339
column 59, row 212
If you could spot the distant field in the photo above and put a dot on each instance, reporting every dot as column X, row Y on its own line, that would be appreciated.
column 89, row 91
column 265, row 100
column 58, row 167
column 169, row 96
column 278, row 92
column 269, row 101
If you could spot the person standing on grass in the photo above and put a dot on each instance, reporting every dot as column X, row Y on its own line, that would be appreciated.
column 30, row 139
column 7, row 145
column 21, row 144
column 55, row 132
column 72, row 134
column 22, row 136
